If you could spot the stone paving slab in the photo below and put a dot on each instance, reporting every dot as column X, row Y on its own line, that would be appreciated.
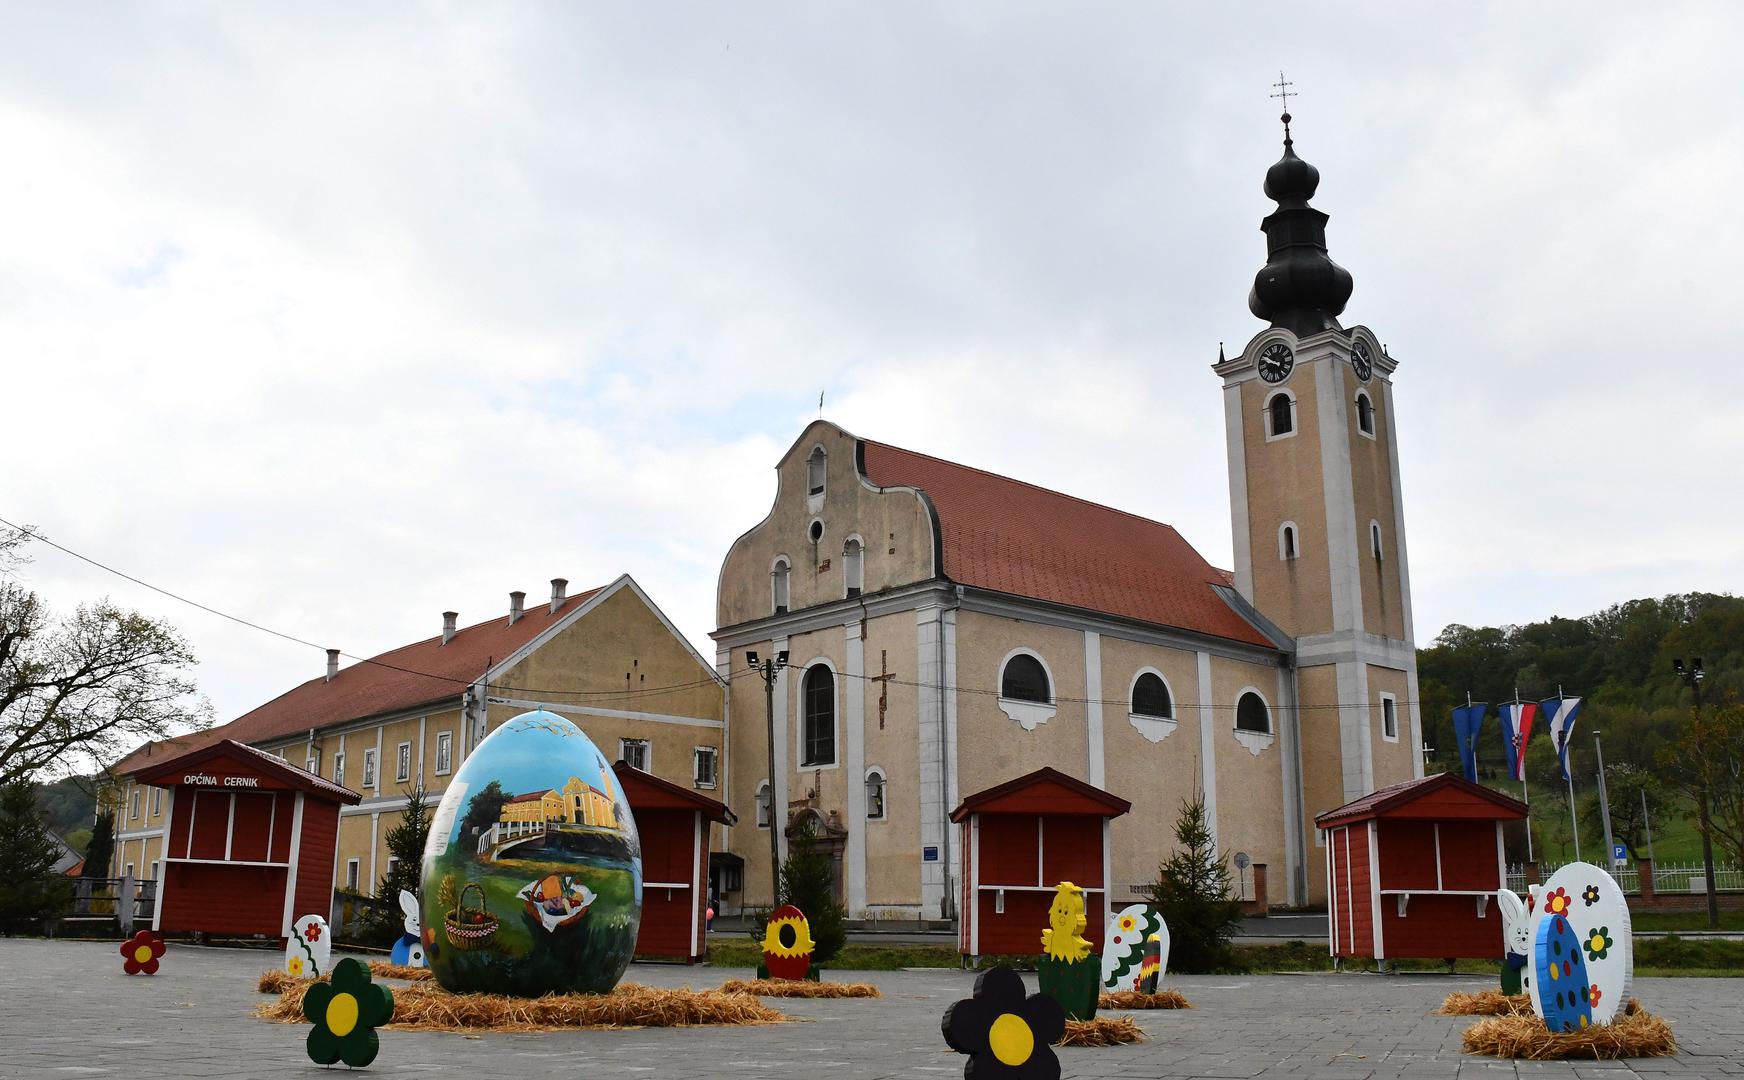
column 66, row 1010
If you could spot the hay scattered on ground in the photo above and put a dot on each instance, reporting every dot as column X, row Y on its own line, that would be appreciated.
column 1491, row 1002
column 276, row 981
column 430, row 1008
column 789, row 988
column 1102, row 1031
column 1132, row 999
column 381, row 969
column 1637, row 1033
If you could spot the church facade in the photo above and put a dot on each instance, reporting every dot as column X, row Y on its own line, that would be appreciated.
column 946, row 630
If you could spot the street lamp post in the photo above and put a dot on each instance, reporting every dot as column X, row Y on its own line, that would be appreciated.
column 770, row 669
column 1692, row 677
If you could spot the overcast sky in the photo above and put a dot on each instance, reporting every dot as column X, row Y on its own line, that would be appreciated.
column 338, row 316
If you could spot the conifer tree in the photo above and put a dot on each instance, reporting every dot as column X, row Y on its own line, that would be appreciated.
column 101, row 850
column 1193, row 893
column 808, row 882
column 28, row 892
column 406, row 850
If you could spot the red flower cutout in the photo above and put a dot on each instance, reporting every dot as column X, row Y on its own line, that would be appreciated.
column 1558, row 903
column 1596, row 995
column 313, row 933
column 141, row 952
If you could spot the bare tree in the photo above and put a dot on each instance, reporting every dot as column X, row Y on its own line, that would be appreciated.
column 82, row 689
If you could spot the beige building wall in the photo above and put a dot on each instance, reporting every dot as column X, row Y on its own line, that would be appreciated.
column 992, row 746
column 892, row 879
column 1395, row 759
column 1284, row 484
column 1322, row 767
column 1372, row 492
column 1250, row 786
column 1154, row 776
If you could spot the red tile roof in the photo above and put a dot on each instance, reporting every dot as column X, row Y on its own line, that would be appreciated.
column 532, row 796
column 1381, row 800
column 418, row 674
column 162, row 770
column 1011, row 537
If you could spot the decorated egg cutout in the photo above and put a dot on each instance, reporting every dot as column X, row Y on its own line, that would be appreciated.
column 308, row 948
column 1123, row 951
column 1563, row 999
column 1598, row 915
column 532, row 877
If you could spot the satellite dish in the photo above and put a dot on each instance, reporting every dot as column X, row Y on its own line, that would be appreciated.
column 1242, row 860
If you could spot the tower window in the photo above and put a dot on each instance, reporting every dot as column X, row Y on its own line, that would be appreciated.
column 1375, row 539
column 1251, row 714
column 874, row 795
column 1365, row 414
column 1280, row 415
column 1389, row 718
column 820, row 718
column 1024, row 679
column 778, row 586
column 853, row 568
column 764, row 802
column 814, row 471
column 1150, row 696
column 1287, row 546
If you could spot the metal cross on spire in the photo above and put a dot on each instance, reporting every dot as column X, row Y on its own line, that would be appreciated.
column 1286, row 94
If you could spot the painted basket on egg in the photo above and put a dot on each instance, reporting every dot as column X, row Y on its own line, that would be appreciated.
column 470, row 928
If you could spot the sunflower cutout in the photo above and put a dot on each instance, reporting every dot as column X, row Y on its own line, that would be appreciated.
column 1558, row 902
column 787, row 944
column 1066, row 970
column 294, row 967
column 141, row 952
column 1007, row 1035
column 346, row 1013
column 1598, row 943
column 1590, row 895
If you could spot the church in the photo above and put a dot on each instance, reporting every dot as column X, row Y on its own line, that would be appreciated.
column 946, row 630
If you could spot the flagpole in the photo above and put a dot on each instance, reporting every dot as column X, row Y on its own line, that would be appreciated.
column 1562, row 753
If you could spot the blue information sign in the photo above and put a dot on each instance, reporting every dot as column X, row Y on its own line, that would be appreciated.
column 1620, row 854
column 929, row 854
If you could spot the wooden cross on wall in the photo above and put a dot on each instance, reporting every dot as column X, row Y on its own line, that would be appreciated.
column 883, row 680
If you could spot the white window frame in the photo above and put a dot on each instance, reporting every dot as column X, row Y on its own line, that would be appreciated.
column 1254, row 741
column 1266, row 415
column 764, row 798
column 444, row 752
column 312, row 762
column 339, row 767
column 838, row 719
column 781, row 582
column 1284, row 554
column 393, row 863
column 883, row 794
column 354, row 875
column 853, row 567
column 1153, row 728
column 1377, row 544
column 133, row 805
column 129, row 871
column 1368, row 432
column 821, row 457
column 403, row 762
column 156, row 801
column 369, row 767
column 1389, row 710
column 1028, row 714
column 713, row 753
column 647, row 746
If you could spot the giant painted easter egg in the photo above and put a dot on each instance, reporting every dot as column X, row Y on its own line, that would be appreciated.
column 532, row 879
column 1125, row 946
column 1598, row 916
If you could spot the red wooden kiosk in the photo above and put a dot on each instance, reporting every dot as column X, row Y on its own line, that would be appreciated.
column 1019, row 840
column 249, row 842
column 673, row 824
column 1413, row 869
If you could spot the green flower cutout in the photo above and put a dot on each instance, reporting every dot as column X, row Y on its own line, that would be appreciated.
column 346, row 1012
column 1598, row 943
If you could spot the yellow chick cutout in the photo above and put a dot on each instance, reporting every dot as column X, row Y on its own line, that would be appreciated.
column 1062, row 939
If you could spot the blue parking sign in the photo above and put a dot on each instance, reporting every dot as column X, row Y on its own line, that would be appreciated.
column 1620, row 854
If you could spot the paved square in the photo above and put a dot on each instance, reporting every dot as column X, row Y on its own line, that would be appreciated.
column 66, row 1010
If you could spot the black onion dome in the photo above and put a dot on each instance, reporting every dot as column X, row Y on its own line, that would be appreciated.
column 1300, row 287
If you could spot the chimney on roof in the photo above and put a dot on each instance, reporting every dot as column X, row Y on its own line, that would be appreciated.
column 448, row 618
column 332, row 664
column 517, row 601
column 559, row 587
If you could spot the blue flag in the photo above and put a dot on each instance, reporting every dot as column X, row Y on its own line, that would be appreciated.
column 1561, row 713
column 1468, row 723
column 1517, row 717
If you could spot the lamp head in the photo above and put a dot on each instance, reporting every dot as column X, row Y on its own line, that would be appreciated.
column 751, row 658
column 781, row 659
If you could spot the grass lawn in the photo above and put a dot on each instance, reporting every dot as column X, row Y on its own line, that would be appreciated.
column 1684, row 920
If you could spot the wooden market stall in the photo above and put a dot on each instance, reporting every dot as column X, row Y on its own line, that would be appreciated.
column 249, row 842
column 673, row 824
column 1412, row 870
column 1019, row 840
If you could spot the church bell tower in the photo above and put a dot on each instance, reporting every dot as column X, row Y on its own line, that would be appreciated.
column 1318, row 517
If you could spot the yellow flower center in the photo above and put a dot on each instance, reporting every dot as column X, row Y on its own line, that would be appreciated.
column 1010, row 1039
column 342, row 1014
column 142, row 954
column 1598, row 942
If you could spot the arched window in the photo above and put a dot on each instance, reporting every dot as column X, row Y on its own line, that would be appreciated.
column 1024, row 679
column 820, row 718
column 778, row 585
column 1375, row 539
column 1150, row 697
column 1287, row 541
column 1251, row 714
column 1280, row 414
column 814, row 471
column 763, row 805
column 853, row 566
column 874, row 795
column 1365, row 414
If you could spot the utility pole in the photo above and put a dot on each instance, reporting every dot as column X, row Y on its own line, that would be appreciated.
column 1692, row 677
column 770, row 669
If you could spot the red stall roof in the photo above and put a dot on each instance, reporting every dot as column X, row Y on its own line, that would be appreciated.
column 170, row 773
column 1443, row 795
column 644, row 789
column 1045, row 791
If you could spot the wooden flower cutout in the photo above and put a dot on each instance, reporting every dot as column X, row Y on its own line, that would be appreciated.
column 1007, row 1034
column 346, row 1013
column 141, row 952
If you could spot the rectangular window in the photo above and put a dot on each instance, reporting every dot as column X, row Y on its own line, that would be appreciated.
column 313, row 762
column 129, row 870
column 1389, row 719
column 369, row 768
column 703, row 767
column 133, row 808
column 154, row 869
column 339, row 768
column 393, row 864
column 634, row 753
column 156, row 801
column 351, row 874
column 444, row 752
column 403, row 763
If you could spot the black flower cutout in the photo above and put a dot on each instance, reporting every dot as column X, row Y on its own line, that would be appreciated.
column 1007, row 1035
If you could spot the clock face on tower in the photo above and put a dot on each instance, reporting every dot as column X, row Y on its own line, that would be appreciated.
column 1276, row 362
column 1361, row 363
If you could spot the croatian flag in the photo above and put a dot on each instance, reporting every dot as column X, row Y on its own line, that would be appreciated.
column 1468, row 724
column 1560, row 712
column 1517, row 720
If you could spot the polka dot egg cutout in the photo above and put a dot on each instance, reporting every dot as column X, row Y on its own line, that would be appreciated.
column 1564, row 997
column 1598, row 917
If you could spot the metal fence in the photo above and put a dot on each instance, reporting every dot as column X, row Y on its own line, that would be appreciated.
column 1668, row 878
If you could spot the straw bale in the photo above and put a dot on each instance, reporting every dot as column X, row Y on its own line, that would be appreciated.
column 430, row 1008
column 789, row 988
column 381, row 969
column 1132, row 999
column 1491, row 1002
column 1102, row 1031
column 1638, row 1033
